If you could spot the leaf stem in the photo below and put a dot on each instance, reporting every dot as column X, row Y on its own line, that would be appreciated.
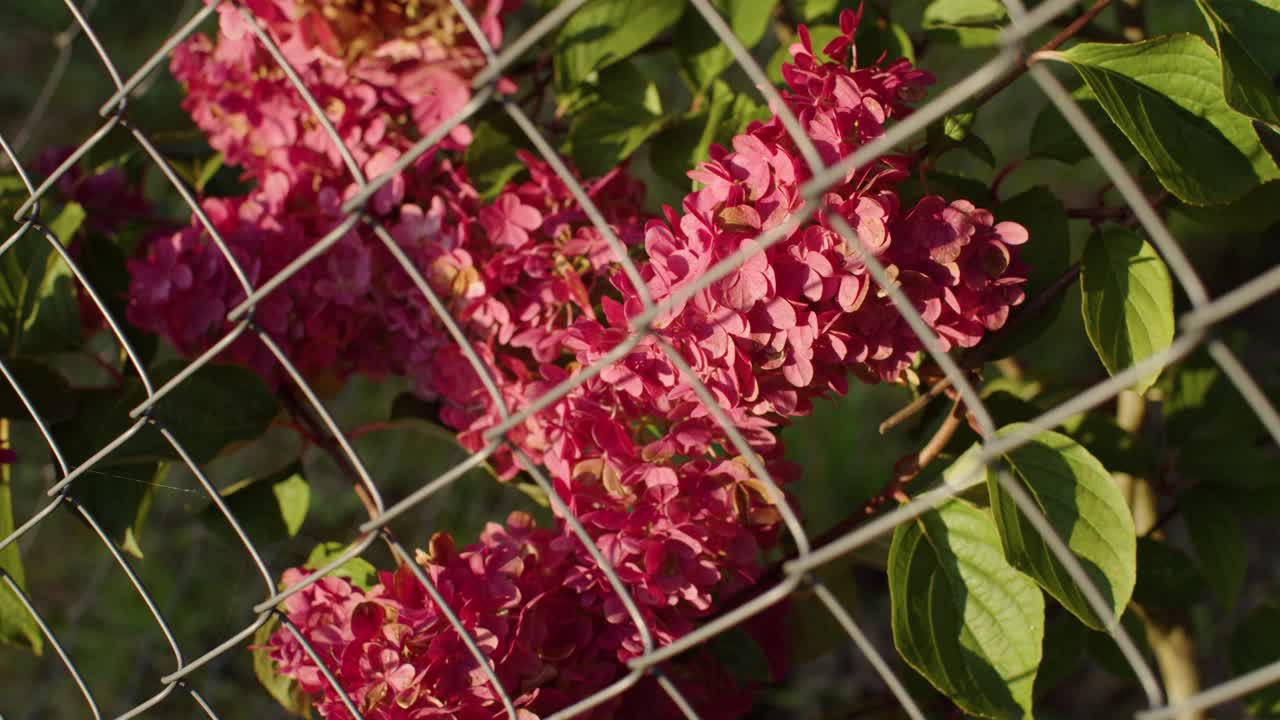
column 1000, row 177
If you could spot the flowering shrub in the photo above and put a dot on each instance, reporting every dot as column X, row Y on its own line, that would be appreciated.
column 655, row 480
column 490, row 297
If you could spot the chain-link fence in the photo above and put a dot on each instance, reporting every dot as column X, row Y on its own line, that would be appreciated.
column 1196, row 329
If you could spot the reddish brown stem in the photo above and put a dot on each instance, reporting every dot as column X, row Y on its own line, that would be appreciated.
column 1000, row 176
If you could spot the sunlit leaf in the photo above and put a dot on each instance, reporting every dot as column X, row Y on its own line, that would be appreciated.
column 1127, row 300
column 962, row 616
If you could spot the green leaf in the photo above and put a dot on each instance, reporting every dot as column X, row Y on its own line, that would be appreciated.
column 535, row 493
column 1247, row 33
column 604, row 135
column 967, row 23
column 956, row 131
column 406, row 453
column 1064, row 635
column 686, row 143
column 47, row 390
column 1083, row 504
column 119, row 498
column 23, row 269
column 1201, row 406
column 1105, row 650
column 1166, row 576
column 810, row 11
column 270, row 509
column 1166, row 96
column 55, row 326
column 704, row 56
column 39, row 312
column 294, row 496
column 1255, row 644
column 1053, row 137
column 284, row 690
column 962, row 616
column 358, row 570
column 812, row 631
column 882, row 37
column 1218, row 542
column 68, row 222
column 964, row 13
column 1214, row 431
column 1118, row 450
column 491, row 157
column 17, row 627
column 741, row 656
column 215, row 407
column 103, row 260
column 206, row 169
column 1258, row 210
column 944, row 184
column 603, row 32
column 1127, row 301
column 634, row 83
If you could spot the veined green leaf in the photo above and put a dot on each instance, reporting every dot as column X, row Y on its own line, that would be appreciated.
column 1083, row 504
column 603, row 32
column 705, row 56
column 1248, row 35
column 962, row 616
column 1166, row 95
column 1127, row 301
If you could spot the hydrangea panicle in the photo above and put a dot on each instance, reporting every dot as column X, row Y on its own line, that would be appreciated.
column 661, row 488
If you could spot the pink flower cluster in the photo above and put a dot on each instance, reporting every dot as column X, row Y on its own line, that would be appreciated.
column 383, row 73
column 665, row 495
column 792, row 321
column 660, row 487
column 355, row 309
column 399, row 658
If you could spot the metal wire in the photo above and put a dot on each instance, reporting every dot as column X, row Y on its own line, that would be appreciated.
column 1206, row 312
